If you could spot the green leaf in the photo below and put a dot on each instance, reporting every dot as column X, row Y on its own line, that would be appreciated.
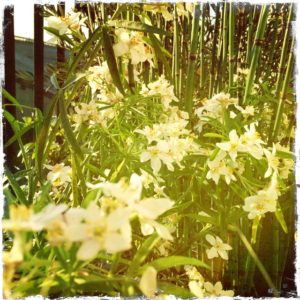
column 19, row 134
column 255, row 225
column 254, row 256
column 142, row 253
column 280, row 218
column 16, row 187
column 12, row 99
column 111, row 60
column 9, row 197
column 43, row 137
column 204, row 219
column 88, row 44
column 213, row 135
column 16, row 128
column 93, row 195
column 285, row 154
column 67, row 128
column 137, row 26
column 161, row 54
column 172, row 289
column 43, row 198
column 174, row 261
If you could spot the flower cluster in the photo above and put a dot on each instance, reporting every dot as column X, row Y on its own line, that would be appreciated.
column 264, row 201
column 97, row 227
column 98, row 77
column 220, row 105
column 226, row 162
column 65, row 25
column 59, row 174
column 105, row 95
column 161, row 88
column 214, row 108
column 201, row 288
column 218, row 247
column 130, row 44
column 249, row 142
column 168, row 143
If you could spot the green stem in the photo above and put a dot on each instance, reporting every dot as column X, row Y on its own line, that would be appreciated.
column 279, row 110
column 257, row 261
column 231, row 44
column 201, row 46
column 213, row 51
column 256, row 51
column 176, row 53
column 283, row 54
column 189, row 91
column 249, row 36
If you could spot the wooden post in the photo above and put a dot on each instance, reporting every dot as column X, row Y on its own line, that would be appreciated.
column 9, row 77
column 38, row 57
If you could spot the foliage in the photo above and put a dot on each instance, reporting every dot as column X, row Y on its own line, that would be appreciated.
column 161, row 157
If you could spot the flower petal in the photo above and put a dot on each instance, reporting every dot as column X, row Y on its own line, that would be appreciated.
column 196, row 289
column 153, row 207
column 223, row 254
column 148, row 284
column 88, row 250
column 211, row 253
column 116, row 242
column 210, row 239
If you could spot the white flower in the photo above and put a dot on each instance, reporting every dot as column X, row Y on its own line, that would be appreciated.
column 218, row 247
column 129, row 196
column 248, row 111
column 217, row 290
column 47, row 215
column 264, row 201
column 88, row 112
column 151, row 208
column 58, row 24
column 131, row 44
column 97, row 231
column 152, row 134
column 158, row 154
column 23, row 218
column 252, row 142
column 148, row 284
column 214, row 108
column 233, row 146
column 159, row 8
column 224, row 100
column 98, row 76
column 218, row 167
column 65, row 25
column 59, row 174
column 193, row 273
column 147, row 179
column 162, row 88
column 148, row 226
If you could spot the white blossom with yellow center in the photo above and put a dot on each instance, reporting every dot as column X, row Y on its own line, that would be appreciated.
column 264, row 201
column 59, row 174
column 217, row 290
column 131, row 45
column 233, row 146
column 219, row 248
